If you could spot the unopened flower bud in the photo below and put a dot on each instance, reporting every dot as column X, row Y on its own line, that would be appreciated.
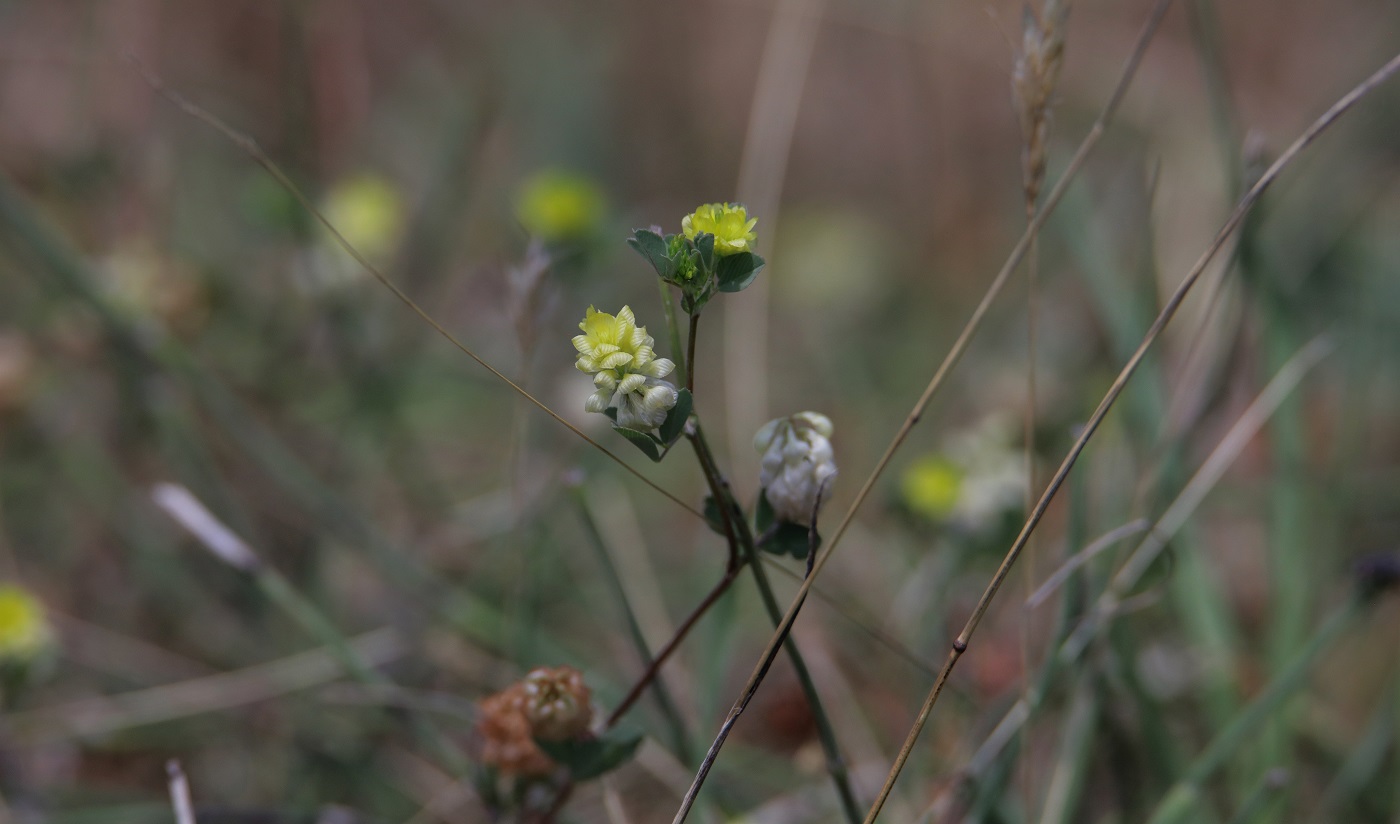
column 796, row 461
column 557, row 703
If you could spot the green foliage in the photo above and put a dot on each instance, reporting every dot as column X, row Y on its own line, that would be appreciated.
column 589, row 758
column 781, row 537
column 656, row 445
column 692, row 265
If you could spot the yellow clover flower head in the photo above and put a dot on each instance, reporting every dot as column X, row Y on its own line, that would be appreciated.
column 557, row 206
column 728, row 222
column 627, row 375
column 24, row 630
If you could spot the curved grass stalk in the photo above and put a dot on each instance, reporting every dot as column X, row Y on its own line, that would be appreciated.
column 1163, row 318
column 741, row 545
column 1180, row 802
column 950, row 360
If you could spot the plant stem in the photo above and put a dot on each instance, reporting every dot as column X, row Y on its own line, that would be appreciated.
column 653, row 663
column 690, row 355
column 654, row 668
column 1181, row 799
column 1164, row 317
column 668, row 304
column 742, row 546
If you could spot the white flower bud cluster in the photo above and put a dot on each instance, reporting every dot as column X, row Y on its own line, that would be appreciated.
column 796, row 461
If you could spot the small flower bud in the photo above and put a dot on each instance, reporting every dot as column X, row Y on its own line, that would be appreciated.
column 796, row 460
column 728, row 222
column 557, row 703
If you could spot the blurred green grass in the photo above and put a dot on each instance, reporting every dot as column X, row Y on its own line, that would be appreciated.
column 164, row 294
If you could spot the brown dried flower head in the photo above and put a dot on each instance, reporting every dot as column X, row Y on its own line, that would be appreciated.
column 551, row 704
column 504, row 735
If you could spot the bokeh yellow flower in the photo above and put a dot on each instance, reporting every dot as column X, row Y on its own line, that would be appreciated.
column 368, row 212
column 728, row 222
column 557, row 206
column 931, row 486
column 24, row 629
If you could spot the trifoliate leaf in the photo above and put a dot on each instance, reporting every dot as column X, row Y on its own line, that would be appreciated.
column 651, row 246
column 673, row 427
column 647, row 443
column 591, row 757
column 788, row 539
column 705, row 245
column 780, row 538
column 715, row 519
column 735, row 272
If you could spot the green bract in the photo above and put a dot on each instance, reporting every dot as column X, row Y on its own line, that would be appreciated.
column 713, row 253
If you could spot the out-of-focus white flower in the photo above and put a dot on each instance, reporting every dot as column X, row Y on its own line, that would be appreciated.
column 975, row 480
column 621, row 357
column 797, row 460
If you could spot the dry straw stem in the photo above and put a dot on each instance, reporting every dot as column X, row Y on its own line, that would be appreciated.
column 1163, row 318
column 254, row 151
column 93, row 717
column 951, row 360
column 190, row 512
column 1195, row 491
column 1158, row 534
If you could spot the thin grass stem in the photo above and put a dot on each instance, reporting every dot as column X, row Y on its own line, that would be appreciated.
column 1163, row 318
column 652, row 663
column 1179, row 803
column 951, row 360
column 191, row 514
column 256, row 153
column 742, row 543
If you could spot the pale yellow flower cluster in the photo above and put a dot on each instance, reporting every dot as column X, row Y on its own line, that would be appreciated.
column 627, row 375
column 728, row 222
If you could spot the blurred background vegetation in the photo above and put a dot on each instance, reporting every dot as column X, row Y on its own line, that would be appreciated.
column 169, row 313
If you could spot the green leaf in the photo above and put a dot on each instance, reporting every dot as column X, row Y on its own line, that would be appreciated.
column 762, row 513
column 713, row 517
column 591, row 757
column 643, row 441
column 705, row 245
column 674, row 426
column 790, row 539
column 653, row 247
column 780, row 538
column 735, row 272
